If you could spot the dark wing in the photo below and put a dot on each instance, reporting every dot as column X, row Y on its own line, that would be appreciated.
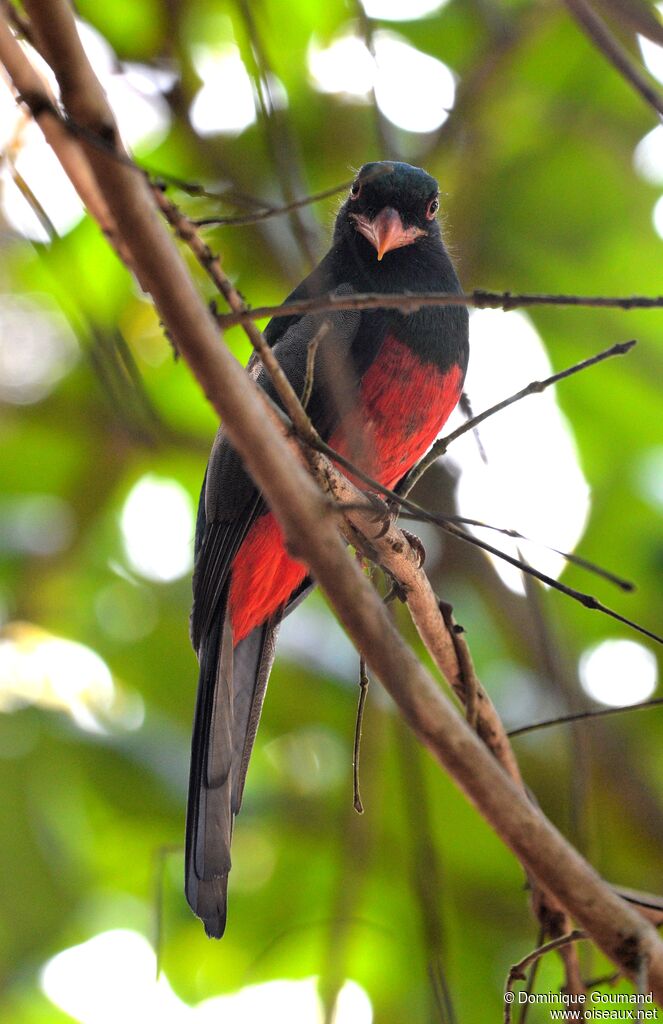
column 232, row 681
column 318, row 282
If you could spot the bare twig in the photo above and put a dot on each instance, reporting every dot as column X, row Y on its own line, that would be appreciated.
column 363, row 693
column 281, row 141
column 580, row 716
column 587, row 600
column 311, row 353
column 517, row 971
column 531, row 978
column 535, row 387
column 409, row 302
column 612, row 49
column 271, row 211
column 568, row 556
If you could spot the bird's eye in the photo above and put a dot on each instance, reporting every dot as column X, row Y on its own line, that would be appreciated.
column 355, row 190
column 432, row 208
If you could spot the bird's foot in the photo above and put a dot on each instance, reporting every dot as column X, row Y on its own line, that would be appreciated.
column 385, row 511
column 416, row 545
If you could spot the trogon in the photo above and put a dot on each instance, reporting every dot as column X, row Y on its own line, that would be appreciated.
column 381, row 387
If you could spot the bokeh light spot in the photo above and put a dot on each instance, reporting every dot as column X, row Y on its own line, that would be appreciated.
column 223, row 74
column 532, row 480
column 35, row 524
column 648, row 156
column 344, row 67
column 412, row 89
column 657, row 217
column 111, row 978
column 652, row 54
column 619, row 672
column 397, row 10
column 157, row 523
column 61, row 675
column 37, row 348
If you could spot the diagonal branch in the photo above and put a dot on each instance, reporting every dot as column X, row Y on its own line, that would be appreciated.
column 603, row 39
column 535, row 387
column 272, row 211
column 579, row 716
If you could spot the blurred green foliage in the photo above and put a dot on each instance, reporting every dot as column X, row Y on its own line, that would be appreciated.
column 540, row 194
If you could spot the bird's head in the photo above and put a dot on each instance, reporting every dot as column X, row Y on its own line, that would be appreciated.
column 391, row 205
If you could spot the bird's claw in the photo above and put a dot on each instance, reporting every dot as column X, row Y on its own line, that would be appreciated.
column 416, row 545
column 383, row 512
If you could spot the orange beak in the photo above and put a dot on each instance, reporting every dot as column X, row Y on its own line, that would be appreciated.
column 386, row 231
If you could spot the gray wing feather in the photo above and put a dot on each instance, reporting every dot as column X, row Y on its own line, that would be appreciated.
column 233, row 680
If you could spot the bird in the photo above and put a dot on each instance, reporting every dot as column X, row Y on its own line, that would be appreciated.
column 383, row 385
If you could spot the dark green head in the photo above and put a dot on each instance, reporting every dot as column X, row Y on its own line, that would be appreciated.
column 392, row 205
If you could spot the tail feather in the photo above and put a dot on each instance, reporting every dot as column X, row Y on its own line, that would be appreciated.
column 254, row 657
column 231, row 690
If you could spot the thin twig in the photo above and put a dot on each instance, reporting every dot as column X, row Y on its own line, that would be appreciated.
column 568, row 556
column 280, row 137
column 465, row 406
column 604, row 979
column 612, row 49
column 33, row 202
column 271, row 211
column 535, row 387
column 531, row 978
column 311, row 352
column 517, row 971
column 580, row 716
column 363, row 693
column 447, row 524
column 411, row 302
column 587, row 600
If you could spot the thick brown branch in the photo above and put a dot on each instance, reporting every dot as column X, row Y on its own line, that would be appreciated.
column 398, row 558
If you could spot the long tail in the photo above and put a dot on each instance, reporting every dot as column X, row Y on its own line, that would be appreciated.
column 231, row 690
